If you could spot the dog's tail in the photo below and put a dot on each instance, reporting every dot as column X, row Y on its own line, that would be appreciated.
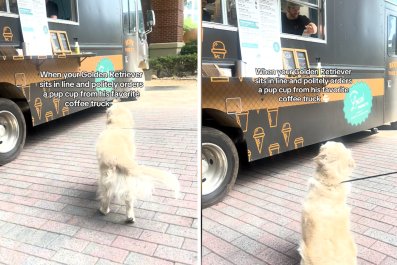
column 162, row 178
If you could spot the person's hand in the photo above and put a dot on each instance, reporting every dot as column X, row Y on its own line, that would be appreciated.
column 310, row 29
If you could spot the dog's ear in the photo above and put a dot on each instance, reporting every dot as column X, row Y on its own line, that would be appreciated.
column 321, row 159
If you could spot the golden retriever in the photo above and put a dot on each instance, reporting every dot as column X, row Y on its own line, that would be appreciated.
column 120, row 174
column 326, row 236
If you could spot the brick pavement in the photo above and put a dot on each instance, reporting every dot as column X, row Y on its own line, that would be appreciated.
column 259, row 221
column 48, row 210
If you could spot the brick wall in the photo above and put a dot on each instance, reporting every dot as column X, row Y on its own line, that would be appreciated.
column 169, row 21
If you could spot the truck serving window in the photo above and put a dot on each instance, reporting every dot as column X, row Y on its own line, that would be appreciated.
column 391, row 35
column 220, row 11
column 62, row 10
column 57, row 10
column 296, row 15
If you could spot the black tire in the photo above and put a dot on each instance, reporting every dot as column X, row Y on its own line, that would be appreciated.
column 393, row 125
column 217, row 148
column 12, row 131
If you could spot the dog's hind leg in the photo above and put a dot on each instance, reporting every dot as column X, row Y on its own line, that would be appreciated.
column 129, row 201
column 104, row 208
column 105, row 197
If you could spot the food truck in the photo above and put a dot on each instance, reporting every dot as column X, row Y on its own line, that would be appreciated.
column 58, row 57
column 265, row 92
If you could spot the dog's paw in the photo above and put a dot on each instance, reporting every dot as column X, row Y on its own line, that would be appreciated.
column 130, row 221
column 104, row 212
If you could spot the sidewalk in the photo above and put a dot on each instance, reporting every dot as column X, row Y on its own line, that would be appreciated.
column 259, row 221
column 48, row 210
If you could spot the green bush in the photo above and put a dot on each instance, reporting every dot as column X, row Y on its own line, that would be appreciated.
column 175, row 65
column 189, row 48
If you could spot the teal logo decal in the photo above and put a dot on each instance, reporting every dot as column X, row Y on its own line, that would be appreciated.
column 276, row 47
column 358, row 104
column 104, row 66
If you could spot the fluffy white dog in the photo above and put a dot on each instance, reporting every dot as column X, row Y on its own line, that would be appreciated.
column 120, row 174
column 327, row 239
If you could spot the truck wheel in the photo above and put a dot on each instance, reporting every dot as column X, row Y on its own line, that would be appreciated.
column 220, row 164
column 12, row 131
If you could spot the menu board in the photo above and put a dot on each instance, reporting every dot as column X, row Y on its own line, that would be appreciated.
column 302, row 59
column 288, row 59
column 34, row 25
column 259, row 35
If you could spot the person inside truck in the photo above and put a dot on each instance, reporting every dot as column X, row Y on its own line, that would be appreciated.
column 52, row 9
column 294, row 23
column 3, row 5
column 206, row 14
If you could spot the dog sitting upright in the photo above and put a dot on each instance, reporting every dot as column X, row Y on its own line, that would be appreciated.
column 120, row 174
column 326, row 236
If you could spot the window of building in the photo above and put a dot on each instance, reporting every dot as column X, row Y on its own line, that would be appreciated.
column 219, row 11
column 391, row 35
column 296, row 15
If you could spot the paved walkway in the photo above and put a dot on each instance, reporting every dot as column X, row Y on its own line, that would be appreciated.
column 259, row 221
column 48, row 210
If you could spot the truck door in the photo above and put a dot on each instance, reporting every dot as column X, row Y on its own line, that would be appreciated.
column 134, row 37
column 391, row 63
column 130, row 35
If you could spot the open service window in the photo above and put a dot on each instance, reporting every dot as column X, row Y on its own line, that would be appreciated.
column 303, row 19
column 57, row 10
column 62, row 10
column 219, row 11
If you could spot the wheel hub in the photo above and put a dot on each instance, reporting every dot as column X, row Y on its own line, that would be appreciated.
column 214, row 166
column 9, row 131
column 2, row 131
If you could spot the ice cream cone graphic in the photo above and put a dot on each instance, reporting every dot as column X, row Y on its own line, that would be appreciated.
column 49, row 116
column 259, row 136
column 65, row 111
column 7, row 34
column 249, row 155
column 38, row 105
column 56, row 104
column 298, row 142
column 274, row 149
column 218, row 50
column 286, row 131
column 272, row 115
